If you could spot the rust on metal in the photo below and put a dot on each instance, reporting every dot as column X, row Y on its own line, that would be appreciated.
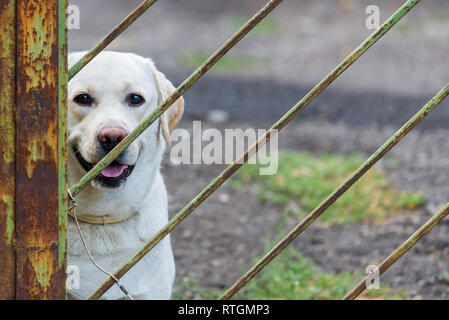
column 62, row 135
column 37, row 223
column 7, row 149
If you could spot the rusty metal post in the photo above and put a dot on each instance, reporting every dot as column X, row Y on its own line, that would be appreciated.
column 33, row 145
column 7, row 149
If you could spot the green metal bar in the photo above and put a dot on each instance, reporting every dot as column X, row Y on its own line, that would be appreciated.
column 62, row 139
column 197, row 74
column 111, row 36
column 229, row 171
column 334, row 196
column 400, row 251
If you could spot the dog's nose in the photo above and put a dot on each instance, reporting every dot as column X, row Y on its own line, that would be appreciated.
column 109, row 137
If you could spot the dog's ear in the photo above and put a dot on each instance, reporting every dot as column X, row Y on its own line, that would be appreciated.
column 171, row 117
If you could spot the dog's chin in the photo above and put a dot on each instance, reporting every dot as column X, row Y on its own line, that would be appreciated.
column 101, row 180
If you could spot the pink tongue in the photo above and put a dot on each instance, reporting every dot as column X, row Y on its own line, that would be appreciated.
column 114, row 170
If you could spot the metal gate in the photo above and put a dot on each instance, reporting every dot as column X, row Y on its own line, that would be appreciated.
column 33, row 224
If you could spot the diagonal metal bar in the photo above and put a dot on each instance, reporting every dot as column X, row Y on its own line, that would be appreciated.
column 230, row 170
column 334, row 196
column 111, row 36
column 197, row 74
column 401, row 250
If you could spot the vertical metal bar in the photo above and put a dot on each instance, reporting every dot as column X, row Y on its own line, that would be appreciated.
column 39, row 275
column 7, row 148
column 62, row 138
column 401, row 250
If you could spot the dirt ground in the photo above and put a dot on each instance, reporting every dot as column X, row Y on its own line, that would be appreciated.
column 218, row 242
column 356, row 114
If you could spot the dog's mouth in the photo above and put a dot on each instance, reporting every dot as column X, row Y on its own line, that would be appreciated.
column 112, row 176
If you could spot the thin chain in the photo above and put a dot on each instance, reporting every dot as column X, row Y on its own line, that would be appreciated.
column 72, row 206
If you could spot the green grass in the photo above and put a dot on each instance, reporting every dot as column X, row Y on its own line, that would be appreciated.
column 409, row 28
column 446, row 277
column 227, row 63
column 186, row 288
column 303, row 181
column 266, row 27
column 291, row 276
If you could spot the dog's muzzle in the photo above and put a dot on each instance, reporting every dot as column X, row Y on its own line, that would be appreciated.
column 110, row 177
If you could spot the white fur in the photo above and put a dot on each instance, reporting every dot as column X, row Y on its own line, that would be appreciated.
column 110, row 77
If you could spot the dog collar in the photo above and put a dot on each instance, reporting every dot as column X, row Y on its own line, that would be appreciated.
column 104, row 220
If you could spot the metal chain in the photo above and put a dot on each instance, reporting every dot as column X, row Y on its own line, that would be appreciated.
column 72, row 207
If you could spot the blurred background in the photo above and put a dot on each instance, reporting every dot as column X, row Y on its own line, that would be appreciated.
column 252, row 87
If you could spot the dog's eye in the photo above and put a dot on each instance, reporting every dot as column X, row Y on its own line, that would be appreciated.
column 83, row 99
column 135, row 100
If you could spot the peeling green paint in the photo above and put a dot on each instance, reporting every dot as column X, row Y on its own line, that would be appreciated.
column 7, row 149
column 10, row 223
column 62, row 135
column 40, row 149
column 42, row 269
column 6, row 108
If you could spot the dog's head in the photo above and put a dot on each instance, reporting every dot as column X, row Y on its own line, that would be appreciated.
column 106, row 101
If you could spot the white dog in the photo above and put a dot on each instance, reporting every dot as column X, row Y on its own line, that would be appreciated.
column 126, row 204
